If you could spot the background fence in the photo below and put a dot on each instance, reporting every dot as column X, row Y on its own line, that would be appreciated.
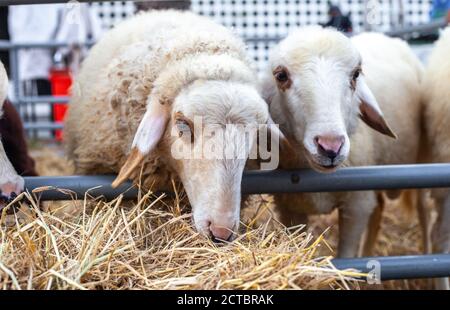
column 263, row 21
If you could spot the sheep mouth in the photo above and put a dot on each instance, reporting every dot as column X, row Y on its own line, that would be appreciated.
column 325, row 168
column 323, row 165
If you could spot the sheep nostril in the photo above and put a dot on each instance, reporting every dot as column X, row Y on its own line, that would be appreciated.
column 220, row 234
column 329, row 146
column 316, row 141
column 327, row 153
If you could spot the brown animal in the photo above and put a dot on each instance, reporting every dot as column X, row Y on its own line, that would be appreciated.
column 14, row 142
column 11, row 183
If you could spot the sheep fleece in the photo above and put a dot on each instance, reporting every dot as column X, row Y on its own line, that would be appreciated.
column 436, row 95
column 109, row 96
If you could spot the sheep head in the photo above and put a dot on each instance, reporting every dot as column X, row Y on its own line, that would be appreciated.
column 316, row 77
column 205, row 133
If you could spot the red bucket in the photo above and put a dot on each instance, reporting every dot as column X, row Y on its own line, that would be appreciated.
column 61, row 81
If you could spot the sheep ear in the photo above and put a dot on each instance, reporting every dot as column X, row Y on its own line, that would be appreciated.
column 370, row 111
column 149, row 133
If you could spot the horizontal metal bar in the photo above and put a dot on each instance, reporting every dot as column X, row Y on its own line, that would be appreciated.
column 348, row 179
column 278, row 181
column 386, row 268
column 41, row 99
column 263, row 39
column 78, row 186
column 8, row 45
column 399, row 267
column 21, row 2
column 43, row 126
column 418, row 30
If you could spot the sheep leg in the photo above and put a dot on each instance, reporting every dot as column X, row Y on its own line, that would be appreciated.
column 353, row 220
column 441, row 236
column 288, row 215
column 424, row 220
column 291, row 218
column 374, row 226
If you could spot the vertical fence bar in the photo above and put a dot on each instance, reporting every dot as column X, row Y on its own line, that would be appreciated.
column 14, row 72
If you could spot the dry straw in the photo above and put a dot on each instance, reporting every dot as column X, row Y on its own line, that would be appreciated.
column 151, row 244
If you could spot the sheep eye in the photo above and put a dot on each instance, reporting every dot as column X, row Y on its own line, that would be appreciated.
column 184, row 126
column 281, row 76
column 356, row 74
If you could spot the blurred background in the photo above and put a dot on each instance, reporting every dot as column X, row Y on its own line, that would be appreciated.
column 43, row 45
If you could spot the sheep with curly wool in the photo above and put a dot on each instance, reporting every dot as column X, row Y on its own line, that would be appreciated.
column 319, row 87
column 436, row 96
column 144, row 87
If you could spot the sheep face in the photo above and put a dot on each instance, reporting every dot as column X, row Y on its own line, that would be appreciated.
column 215, row 121
column 316, row 77
column 209, row 136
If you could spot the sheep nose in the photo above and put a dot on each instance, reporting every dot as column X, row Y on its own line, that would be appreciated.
column 220, row 233
column 8, row 191
column 329, row 145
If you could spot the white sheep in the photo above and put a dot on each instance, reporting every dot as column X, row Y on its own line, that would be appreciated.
column 436, row 96
column 155, row 75
column 319, row 85
column 10, row 182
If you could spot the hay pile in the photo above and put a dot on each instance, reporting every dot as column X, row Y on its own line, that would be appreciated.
column 152, row 245
column 109, row 246
column 95, row 244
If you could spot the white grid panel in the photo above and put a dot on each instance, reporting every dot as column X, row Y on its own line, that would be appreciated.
column 275, row 18
column 417, row 11
column 111, row 13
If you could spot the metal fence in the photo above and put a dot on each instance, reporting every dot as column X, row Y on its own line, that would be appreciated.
column 26, row 105
column 347, row 179
column 270, row 182
column 279, row 181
